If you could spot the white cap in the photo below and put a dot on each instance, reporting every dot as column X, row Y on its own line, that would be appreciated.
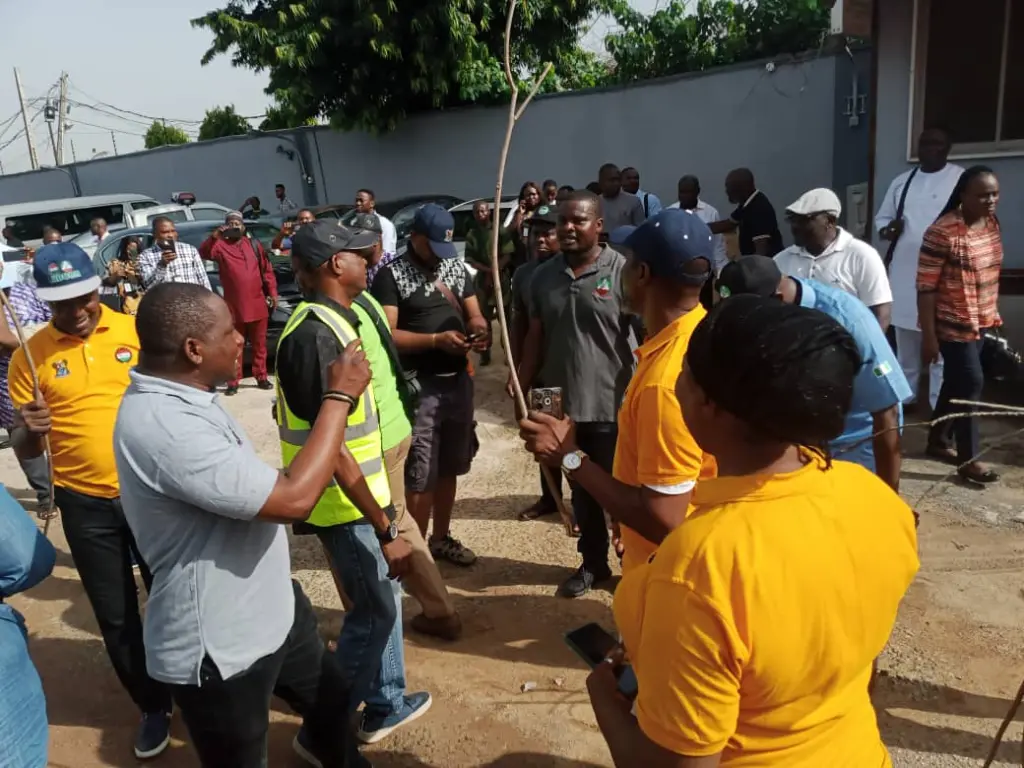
column 819, row 200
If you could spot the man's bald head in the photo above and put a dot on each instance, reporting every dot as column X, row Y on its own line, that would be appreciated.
column 739, row 185
column 169, row 315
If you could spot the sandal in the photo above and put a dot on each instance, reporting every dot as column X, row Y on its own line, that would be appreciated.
column 538, row 510
column 981, row 477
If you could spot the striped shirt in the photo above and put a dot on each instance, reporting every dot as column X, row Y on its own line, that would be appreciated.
column 187, row 266
column 961, row 265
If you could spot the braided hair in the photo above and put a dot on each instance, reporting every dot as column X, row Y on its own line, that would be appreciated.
column 961, row 185
column 785, row 371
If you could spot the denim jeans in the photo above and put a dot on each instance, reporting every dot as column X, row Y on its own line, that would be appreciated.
column 228, row 720
column 597, row 440
column 370, row 647
column 101, row 545
column 23, row 729
column 962, row 379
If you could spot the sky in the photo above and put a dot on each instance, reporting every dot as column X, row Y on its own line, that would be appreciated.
column 127, row 64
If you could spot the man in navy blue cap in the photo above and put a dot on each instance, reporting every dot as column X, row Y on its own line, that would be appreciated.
column 657, row 461
column 82, row 359
column 431, row 305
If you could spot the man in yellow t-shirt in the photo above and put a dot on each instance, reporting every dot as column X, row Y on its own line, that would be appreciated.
column 657, row 461
column 82, row 359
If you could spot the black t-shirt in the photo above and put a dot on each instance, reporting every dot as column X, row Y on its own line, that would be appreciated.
column 757, row 221
column 422, row 308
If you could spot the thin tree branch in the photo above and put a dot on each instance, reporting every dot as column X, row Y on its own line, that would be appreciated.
column 499, row 299
column 533, row 91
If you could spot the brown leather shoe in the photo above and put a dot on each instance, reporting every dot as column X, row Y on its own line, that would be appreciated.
column 444, row 627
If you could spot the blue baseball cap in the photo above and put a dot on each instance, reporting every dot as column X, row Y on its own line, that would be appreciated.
column 669, row 241
column 63, row 271
column 437, row 225
column 620, row 235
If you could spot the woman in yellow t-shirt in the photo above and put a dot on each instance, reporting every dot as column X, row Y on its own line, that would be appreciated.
column 753, row 629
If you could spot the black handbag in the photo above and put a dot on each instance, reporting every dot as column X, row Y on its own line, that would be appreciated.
column 999, row 361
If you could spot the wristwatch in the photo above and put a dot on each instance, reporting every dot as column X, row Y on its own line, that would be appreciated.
column 388, row 535
column 573, row 461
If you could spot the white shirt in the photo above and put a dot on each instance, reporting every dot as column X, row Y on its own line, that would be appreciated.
column 653, row 202
column 928, row 194
column 388, row 235
column 848, row 264
column 708, row 213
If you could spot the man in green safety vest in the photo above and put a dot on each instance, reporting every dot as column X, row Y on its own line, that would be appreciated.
column 355, row 517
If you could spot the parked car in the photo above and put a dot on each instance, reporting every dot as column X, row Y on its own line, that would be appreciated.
column 463, row 215
column 331, row 211
column 402, row 211
column 194, row 233
column 178, row 212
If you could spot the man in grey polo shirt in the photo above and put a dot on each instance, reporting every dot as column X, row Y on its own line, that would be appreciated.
column 580, row 340
column 225, row 626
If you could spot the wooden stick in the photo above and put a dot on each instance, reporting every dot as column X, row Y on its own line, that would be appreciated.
column 51, row 511
column 514, row 113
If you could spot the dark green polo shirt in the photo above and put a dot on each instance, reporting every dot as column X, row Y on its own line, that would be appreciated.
column 588, row 341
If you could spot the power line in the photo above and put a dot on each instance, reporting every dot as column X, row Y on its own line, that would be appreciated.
column 150, row 117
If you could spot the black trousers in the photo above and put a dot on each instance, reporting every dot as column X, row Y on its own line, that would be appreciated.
column 962, row 379
column 597, row 440
column 102, row 547
column 228, row 720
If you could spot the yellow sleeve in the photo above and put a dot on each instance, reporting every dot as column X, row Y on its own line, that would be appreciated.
column 688, row 672
column 19, row 380
column 667, row 454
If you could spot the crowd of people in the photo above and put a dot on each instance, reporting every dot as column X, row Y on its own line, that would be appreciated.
column 711, row 404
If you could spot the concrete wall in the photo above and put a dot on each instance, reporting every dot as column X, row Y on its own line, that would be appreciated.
column 777, row 120
column 895, row 55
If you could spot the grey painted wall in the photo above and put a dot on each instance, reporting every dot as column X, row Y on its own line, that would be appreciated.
column 779, row 122
column 894, row 51
column 850, row 164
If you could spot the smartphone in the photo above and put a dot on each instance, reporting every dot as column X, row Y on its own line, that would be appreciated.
column 547, row 400
column 474, row 337
column 593, row 643
column 233, row 231
column 165, row 245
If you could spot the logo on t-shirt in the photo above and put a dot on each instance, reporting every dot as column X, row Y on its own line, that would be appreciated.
column 60, row 369
column 604, row 287
column 123, row 355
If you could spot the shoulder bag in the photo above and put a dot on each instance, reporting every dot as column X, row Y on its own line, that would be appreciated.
column 408, row 384
column 891, row 250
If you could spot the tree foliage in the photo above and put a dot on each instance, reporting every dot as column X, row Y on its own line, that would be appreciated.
column 687, row 37
column 280, row 117
column 223, row 121
column 160, row 134
column 368, row 63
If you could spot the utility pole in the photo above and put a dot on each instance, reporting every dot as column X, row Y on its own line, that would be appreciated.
column 74, row 157
column 62, row 116
column 49, row 113
column 33, row 160
column 113, row 140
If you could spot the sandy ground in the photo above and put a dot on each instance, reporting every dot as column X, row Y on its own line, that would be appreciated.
column 954, row 662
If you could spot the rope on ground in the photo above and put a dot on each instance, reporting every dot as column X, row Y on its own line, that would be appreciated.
column 515, row 111
column 51, row 510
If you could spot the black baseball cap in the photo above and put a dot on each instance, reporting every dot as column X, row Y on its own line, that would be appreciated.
column 316, row 242
column 438, row 226
column 758, row 275
column 544, row 214
column 367, row 221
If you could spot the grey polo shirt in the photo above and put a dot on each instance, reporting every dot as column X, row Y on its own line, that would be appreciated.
column 191, row 486
column 588, row 341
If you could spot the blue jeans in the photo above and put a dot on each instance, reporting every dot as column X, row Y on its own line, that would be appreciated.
column 23, row 729
column 370, row 648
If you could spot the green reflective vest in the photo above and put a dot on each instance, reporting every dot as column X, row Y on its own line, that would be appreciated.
column 362, row 434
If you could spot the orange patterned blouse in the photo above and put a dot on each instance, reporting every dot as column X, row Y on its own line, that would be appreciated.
column 962, row 266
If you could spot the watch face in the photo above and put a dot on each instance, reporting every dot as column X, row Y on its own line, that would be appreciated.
column 571, row 461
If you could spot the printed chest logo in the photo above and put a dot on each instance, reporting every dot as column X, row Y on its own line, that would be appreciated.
column 60, row 369
column 604, row 288
column 123, row 355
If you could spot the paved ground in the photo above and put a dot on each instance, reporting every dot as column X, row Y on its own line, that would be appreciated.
column 954, row 662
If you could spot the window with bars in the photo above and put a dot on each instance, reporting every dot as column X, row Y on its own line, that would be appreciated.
column 970, row 73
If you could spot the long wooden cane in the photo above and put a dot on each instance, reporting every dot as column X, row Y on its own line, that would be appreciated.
column 51, row 511
column 515, row 111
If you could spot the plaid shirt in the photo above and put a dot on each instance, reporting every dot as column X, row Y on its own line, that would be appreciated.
column 188, row 267
column 31, row 311
column 386, row 259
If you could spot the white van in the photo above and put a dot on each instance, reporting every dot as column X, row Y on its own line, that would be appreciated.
column 70, row 216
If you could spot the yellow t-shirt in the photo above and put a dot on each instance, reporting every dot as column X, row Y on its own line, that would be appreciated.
column 82, row 381
column 654, row 447
column 754, row 629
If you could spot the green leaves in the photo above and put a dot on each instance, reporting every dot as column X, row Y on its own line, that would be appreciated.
column 160, row 134
column 223, row 121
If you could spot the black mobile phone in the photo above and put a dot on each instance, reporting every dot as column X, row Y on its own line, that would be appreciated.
column 165, row 245
column 592, row 643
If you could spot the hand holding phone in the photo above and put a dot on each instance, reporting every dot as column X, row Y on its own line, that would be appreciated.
column 547, row 400
column 594, row 645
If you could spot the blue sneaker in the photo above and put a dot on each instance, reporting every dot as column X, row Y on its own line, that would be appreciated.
column 375, row 727
column 153, row 736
